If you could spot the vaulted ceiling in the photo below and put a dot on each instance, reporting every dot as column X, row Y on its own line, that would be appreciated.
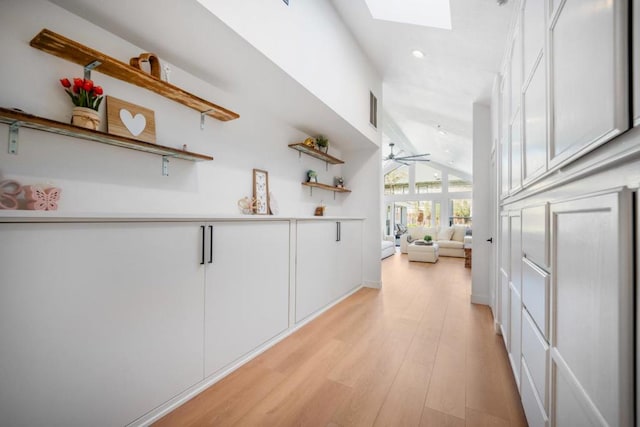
column 427, row 102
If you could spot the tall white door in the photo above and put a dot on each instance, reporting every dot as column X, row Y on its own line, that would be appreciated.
column 99, row 322
column 247, row 288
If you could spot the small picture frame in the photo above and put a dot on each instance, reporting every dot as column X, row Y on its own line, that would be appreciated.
column 261, row 191
column 130, row 120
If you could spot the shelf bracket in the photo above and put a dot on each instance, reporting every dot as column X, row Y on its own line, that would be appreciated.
column 13, row 137
column 202, row 115
column 326, row 166
column 90, row 66
column 165, row 166
column 334, row 195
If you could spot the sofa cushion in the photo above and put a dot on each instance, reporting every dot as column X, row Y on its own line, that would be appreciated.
column 451, row 244
column 459, row 232
column 445, row 234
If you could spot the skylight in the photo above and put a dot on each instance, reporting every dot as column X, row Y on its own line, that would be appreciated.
column 428, row 13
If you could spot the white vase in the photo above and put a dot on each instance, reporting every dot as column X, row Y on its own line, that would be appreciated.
column 85, row 118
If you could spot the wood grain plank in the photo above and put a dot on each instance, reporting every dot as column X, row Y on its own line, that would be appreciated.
column 433, row 418
column 62, row 47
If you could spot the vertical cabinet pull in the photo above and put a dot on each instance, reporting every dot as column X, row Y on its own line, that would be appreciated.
column 338, row 231
column 211, row 244
column 203, row 239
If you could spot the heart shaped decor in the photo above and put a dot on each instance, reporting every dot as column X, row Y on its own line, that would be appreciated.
column 134, row 124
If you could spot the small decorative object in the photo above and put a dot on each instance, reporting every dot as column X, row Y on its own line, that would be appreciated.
column 409, row 238
column 339, row 182
column 310, row 142
column 167, row 72
column 87, row 98
column 274, row 209
column 323, row 143
column 312, row 176
column 319, row 210
column 247, row 205
column 428, row 239
column 130, row 120
column 9, row 191
column 40, row 199
column 151, row 59
column 261, row 191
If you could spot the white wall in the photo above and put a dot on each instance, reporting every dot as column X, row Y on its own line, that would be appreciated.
column 100, row 178
column 308, row 40
column 480, row 286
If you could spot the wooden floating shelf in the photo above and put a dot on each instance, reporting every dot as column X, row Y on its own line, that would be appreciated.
column 326, row 187
column 315, row 153
column 20, row 119
column 72, row 51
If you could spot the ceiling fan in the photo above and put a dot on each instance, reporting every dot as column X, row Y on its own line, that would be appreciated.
column 405, row 159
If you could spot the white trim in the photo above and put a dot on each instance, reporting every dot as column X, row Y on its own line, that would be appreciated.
column 373, row 284
column 483, row 299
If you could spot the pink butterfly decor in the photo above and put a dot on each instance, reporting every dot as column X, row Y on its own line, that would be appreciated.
column 9, row 191
column 40, row 199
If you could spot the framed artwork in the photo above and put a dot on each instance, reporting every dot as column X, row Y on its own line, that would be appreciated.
column 130, row 120
column 261, row 191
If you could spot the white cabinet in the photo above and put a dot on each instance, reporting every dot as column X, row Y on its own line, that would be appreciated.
column 535, row 294
column 535, row 234
column 534, row 29
column 328, row 264
column 247, row 288
column 636, row 61
column 589, row 75
column 505, row 134
column 592, row 313
column 99, row 322
column 535, row 123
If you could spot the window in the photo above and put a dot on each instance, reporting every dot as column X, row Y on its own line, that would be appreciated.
column 428, row 179
column 460, row 210
column 457, row 184
column 397, row 181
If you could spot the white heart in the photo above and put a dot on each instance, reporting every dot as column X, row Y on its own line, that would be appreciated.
column 136, row 124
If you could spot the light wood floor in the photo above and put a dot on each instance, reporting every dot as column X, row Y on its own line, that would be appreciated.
column 416, row 353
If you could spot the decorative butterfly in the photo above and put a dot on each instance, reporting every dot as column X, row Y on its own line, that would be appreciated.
column 9, row 191
column 40, row 199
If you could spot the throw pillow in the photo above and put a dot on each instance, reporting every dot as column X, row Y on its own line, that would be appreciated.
column 458, row 233
column 445, row 234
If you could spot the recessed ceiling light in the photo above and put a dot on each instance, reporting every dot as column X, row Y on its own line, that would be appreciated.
column 441, row 131
column 417, row 53
column 447, row 151
column 451, row 162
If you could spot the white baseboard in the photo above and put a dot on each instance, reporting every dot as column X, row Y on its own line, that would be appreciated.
column 372, row 284
column 198, row 388
column 481, row 299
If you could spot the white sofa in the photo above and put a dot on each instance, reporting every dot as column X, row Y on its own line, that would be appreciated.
column 388, row 246
column 450, row 240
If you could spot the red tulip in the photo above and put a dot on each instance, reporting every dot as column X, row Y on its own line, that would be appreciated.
column 88, row 85
column 98, row 90
column 77, row 82
column 65, row 82
column 76, row 89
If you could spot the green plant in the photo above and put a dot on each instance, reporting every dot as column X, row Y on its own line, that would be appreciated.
column 427, row 238
column 322, row 141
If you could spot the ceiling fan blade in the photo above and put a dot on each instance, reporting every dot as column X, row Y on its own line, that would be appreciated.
column 413, row 156
column 417, row 160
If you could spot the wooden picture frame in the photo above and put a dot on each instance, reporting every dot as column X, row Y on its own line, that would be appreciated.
column 261, row 191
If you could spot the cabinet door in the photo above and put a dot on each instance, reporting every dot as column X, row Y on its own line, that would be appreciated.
column 247, row 289
column 592, row 313
column 99, row 322
column 316, row 274
column 589, row 75
column 636, row 62
column 505, row 134
column 349, row 258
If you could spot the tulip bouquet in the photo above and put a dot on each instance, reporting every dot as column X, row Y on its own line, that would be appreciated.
column 83, row 93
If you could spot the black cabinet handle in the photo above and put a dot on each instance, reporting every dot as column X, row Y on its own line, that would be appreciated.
column 203, row 238
column 338, row 231
column 211, row 244
column 490, row 240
